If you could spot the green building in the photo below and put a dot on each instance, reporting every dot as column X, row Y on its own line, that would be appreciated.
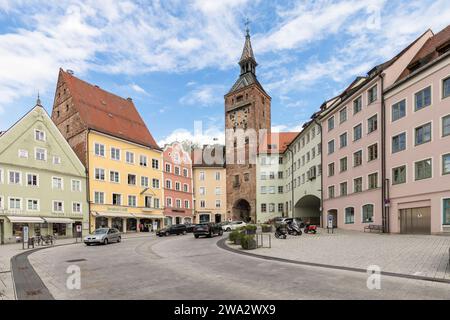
column 42, row 181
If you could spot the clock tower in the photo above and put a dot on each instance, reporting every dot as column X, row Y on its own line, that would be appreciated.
column 247, row 108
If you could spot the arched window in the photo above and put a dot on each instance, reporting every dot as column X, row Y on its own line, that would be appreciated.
column 349, row 215
column 367, row 213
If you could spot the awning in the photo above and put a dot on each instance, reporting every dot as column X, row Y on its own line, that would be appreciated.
column 59, row 220
column 22, row 219
column 114, row 214
column 148, row 216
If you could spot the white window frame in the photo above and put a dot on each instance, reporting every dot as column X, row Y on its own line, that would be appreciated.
column 35, row 153
column 81, row 207
column 131, row 155
column 431, row 97
column 44, row 135
column 392, row 109
column 62, row 183
column 104, row 197
column 53, row 206
column 38, row 205
column 37, row 180
column 111, row 153
column 135, row 200
column 20, row 203
column 118, row 176
column 24, row 152
column 373, row 212
column 71, row 185
column 406, row 174
column 20, row 178
column 54, row 158
column 100, row 145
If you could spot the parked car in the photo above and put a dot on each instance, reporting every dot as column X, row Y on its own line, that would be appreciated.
column 233, row 225
column 190, row 227
column 173, row 229
column 104, row 236
column 208, row 229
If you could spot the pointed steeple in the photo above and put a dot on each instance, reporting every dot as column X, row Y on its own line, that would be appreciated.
column 38, row 101
column 247, row 61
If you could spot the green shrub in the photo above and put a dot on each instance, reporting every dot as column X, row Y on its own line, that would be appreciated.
column 248, row 242
column 234, row 235
column 266, row 227
column 251, row 227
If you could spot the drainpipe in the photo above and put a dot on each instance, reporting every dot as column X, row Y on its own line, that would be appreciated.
column 321, row 175
column 384, row 181
column 292, row 181
column 88, row 190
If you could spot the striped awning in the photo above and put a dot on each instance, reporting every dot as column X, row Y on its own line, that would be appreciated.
column 59, row 220
column 24, row 219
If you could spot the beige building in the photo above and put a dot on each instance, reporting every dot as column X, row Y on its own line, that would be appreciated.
column 210, row 200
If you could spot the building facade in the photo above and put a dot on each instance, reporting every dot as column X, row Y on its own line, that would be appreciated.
column 42, row 181
column 209, row 186
column 247, row 113
column 124, row 162
column 418, row 142
column 178, row 185
column 353, row 144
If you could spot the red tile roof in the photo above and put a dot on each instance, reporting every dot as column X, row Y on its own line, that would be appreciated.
column 107, row 112
column 281, row 140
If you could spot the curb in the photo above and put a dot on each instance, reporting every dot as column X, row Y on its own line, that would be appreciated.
column 222, row 244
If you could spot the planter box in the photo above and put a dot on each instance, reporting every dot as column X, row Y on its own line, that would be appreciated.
column 251, row 245
column 237, row 241
column 266, row 229
column 250, row 232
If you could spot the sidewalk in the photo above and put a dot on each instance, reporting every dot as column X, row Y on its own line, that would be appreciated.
column 8, row 251
column 417, row 255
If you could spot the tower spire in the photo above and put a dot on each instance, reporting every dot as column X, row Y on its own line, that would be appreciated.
column 247, row 61
column 38, row 101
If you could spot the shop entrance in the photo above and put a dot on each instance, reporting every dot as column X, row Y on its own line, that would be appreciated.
column 334, row 214
column 218, row 218
column 117, row 223
column 415, row 220
column 147, row 225
column 131, row 224
column 101, row 222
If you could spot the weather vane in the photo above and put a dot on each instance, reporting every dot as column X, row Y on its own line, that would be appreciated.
column 246, row 23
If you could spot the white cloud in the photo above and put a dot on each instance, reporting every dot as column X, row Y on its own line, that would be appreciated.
column 211, row 135
column 138, row 89
column 205, row 95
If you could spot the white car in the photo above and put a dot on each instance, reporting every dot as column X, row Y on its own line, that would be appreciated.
column 233, row 225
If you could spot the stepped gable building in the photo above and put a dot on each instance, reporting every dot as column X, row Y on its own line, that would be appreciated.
column 247, row 107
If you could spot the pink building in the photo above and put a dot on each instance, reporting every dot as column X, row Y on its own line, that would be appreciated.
column 352, row 146
column 418, row 141
column 178, row 192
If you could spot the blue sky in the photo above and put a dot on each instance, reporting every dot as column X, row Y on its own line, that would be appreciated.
column 177, row 58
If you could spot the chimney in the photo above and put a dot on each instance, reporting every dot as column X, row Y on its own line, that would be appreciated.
column 69, row 71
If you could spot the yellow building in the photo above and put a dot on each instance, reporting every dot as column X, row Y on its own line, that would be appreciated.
column 124, row 162
column 210, row 200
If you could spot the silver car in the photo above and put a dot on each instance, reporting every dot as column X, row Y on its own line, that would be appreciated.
column 104, row 236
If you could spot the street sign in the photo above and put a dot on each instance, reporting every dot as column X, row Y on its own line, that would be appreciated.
column 79, row 228
column 25, row 234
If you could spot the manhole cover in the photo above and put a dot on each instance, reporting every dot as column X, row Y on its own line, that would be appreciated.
column 76, row 260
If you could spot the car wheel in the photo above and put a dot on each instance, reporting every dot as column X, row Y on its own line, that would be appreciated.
column 184, row 232
column 167, row 234
column 220, row 232
column 88, row 244
column 119, row 239
column 196, row 236
column 210, row 235
column 228, row 229
column 105, row 242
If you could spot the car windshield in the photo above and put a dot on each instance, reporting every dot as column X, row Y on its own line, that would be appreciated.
column 101, row 231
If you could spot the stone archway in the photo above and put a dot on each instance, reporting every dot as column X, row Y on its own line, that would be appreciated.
column 241, row 210
column 308, row 209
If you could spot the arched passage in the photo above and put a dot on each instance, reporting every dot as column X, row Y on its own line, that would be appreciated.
column 241, row 210
column 308, row 209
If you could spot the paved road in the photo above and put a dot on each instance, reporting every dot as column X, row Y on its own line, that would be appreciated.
column 181, row 267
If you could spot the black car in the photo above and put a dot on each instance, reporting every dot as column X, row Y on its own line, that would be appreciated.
column 190, row 227
column 173, row 229
column 208, row 229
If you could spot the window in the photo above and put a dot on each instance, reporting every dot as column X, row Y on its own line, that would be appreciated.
column 373, row 180
column 373, row 152
column 99, row 174
column 185, row 172
column 132, row 179
column 58, row 206
column 39, row 135
column 399, row 175
column 143, row 161
column 263, row 189
column 399, row 142
column 156, row 203
column 446, row 163
column 116, row 199
column 99, row 149
column 155, row 183
column 15, row 203
column 185, row 188
column 202, row 191
column 187, row 204
column 23, row 153
column 367, row 213
column 357, row 105
column 168, row 184
column 202, row 204
column 331, row 169
column 169, row 202
column 280, row 189
column 357, row 185
column 41, row 154
column 280, row 160
column 357, row 158
column 343, row 115
column 155, row 164
column 114, row 176
column 178, row 203
column 177, row 186
column 201, row 176
column 330, row 124
column 446, row 88
column 168, row 168
column 446, row 126
column 343, row 140
column 115, row 153
column 32, row 180
column 218, row 191
column 446, row 213
column 357, row 132
column 144, row 182
column 280, row 174
column 217, row 176
column 15, row 177
column 272, row 175
column 76, row 186
column 57, row 183
column 132, row 201
column 280, row 207
column 76, row 207
column 423, row 169
column 32, row 205
column 331, row 147
column 177, row 171
column 263, row 207
column 99, row 197
column 343, row 164
column 372, row 94
column 422, row 98
column 129, row 157
column 331, row 192
column 56, row 160
column 218, row 204
column 343, row 188
column 372, row 124
column 246, row 176
column 272, row 189
column 423, row 134
column 399, row 110
column 349, row 215
column 271, row 207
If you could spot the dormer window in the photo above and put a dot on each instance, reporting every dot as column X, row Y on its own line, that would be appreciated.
column 39, row 135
